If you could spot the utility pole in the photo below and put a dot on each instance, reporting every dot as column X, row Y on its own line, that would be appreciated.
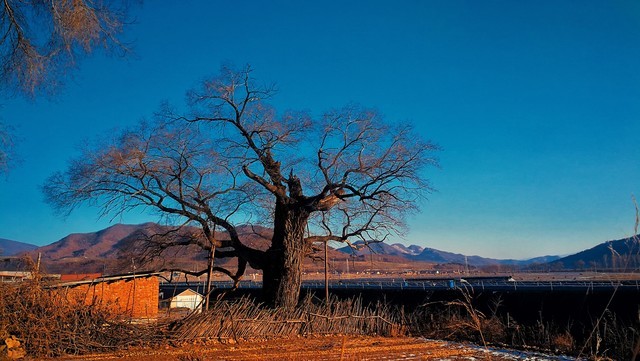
column 38, row 262
column 326, row 272
column 466, row 265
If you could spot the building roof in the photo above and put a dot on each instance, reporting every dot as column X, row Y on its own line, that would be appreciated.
column 79, row 277
column 188, row 292
column 113, row 278
column 15, row 274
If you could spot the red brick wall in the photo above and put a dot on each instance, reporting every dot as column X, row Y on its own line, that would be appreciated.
column 134, row 298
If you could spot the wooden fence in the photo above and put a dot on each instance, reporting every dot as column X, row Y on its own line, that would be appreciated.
column 245, row 319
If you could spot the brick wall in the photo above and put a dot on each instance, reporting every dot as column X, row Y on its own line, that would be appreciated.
column 136, row 298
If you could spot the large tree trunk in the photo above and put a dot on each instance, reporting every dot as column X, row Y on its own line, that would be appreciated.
column 282, row 275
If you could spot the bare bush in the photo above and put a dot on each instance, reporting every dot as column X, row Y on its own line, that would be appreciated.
column 47, row 324
column 613, row 338
column 461, row 320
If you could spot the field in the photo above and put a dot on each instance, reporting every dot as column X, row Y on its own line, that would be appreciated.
column 379, row 323
column 319, row 348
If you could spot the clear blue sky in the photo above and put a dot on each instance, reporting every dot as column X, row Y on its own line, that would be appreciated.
column 536, row 105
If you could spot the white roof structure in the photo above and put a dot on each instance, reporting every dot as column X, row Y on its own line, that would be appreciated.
column 187, row 299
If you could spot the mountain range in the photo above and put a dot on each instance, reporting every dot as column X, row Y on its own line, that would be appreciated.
column 619, row 254
column 110, row 251
column 432, row 255
column 11, row 248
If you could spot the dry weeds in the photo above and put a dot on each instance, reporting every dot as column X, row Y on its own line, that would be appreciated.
column 47, row 325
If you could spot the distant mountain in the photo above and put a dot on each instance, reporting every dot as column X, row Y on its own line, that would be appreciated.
column 415, row 249
column 109, row 251
column 415, row 253
column 11, row 248
column 536, row 260
column 432, row 255
column 411, row 250
column 437, row 256
column 361, row 249
column 101, row 244
column 623, row 254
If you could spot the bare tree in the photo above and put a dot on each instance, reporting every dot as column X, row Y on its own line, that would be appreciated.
column 40, row 40
column 232, row 159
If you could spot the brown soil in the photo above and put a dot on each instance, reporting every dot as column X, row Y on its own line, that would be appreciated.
column 304, row 348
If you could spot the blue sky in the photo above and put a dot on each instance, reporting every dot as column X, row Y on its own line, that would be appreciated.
column 535, row 104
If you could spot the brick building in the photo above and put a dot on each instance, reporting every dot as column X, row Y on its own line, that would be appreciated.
column 132, row 296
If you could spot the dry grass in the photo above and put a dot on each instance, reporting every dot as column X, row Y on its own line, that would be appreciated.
column 461, row 320
column 47, row 324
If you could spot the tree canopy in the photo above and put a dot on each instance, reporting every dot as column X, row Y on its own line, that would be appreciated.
column 41, row 40
column 232, row 159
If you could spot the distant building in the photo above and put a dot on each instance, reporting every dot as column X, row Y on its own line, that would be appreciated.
column 19, row 269
column 189, row 299
column 14, row 276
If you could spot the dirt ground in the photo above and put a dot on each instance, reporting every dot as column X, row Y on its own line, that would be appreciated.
column 314, row 348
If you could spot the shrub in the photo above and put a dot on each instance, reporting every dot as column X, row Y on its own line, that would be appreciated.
column 48, row 324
